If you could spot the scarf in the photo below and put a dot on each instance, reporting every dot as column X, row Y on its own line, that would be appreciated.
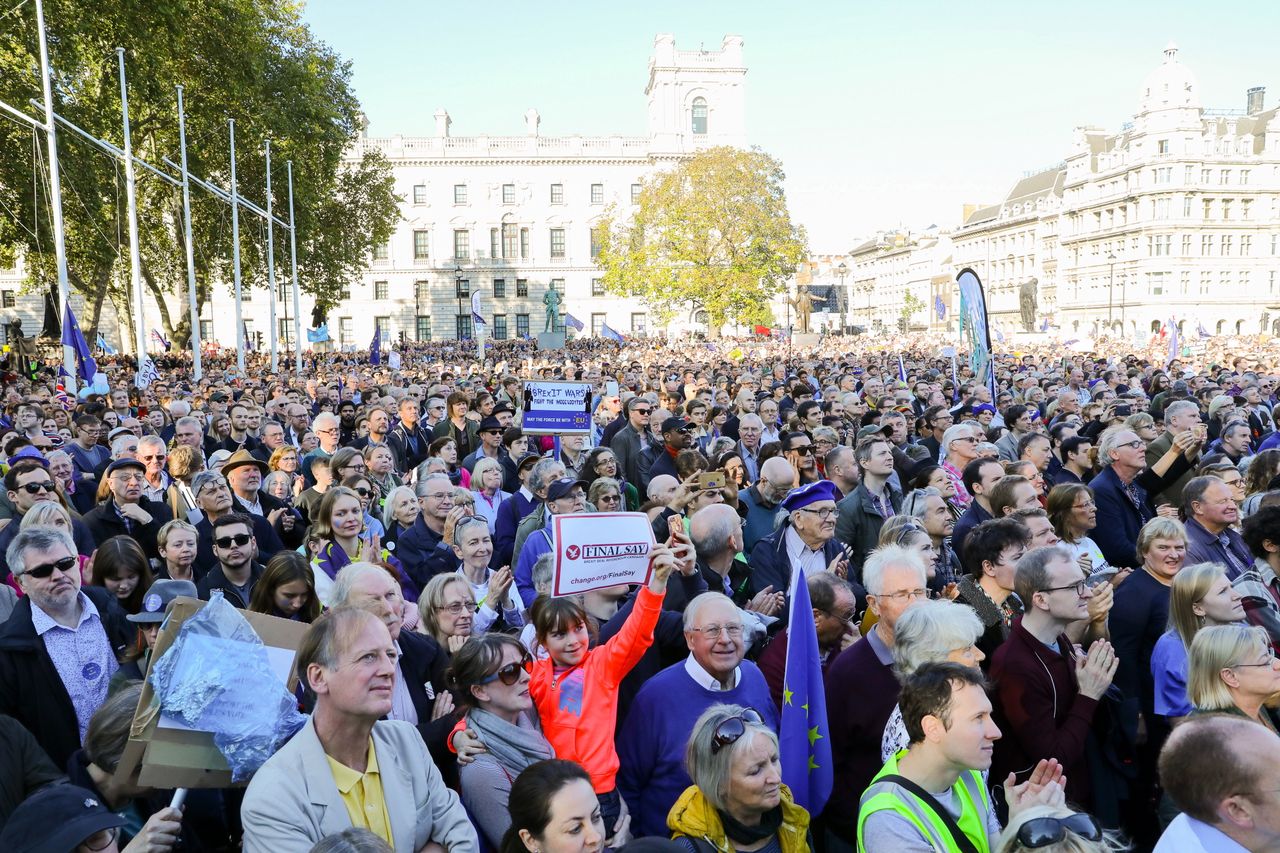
column 514, row 747
column 770, row 821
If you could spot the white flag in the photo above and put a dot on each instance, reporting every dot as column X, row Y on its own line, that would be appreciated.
column 393, row 360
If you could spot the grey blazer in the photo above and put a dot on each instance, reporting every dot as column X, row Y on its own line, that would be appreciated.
column 293, row 801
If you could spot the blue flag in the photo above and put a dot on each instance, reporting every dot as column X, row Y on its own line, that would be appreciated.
column 1202, row 331
column 320, row 335
column 101, row 344
column 1044, row 327
column 606, row 332
column 940, row 307
column 248, row 338
column 375, row 346
column 573, row 322
column 804, row 738
column 902, row 370
column 74, row 338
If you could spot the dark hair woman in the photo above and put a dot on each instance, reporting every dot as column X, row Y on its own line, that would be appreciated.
column 286, row 589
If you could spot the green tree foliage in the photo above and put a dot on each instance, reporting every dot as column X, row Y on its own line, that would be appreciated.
column 712, row 234
column 255, row 62
column 910, row 305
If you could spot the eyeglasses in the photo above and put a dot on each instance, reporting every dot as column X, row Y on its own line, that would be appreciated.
column 1043, row 831
column 1085, row 505
column 436, row 496
column 823, row 514
column 804, row 449
column 613, row 499
column 730, row 731
column 228, row 541
column 908, row 594
column 1271, row 658
column 47, row 487
column 128, row 476
column 65, row 565
column 713, row 632
column 102, row 839
column 1078, row 586
column 843, row 617
column 510, row 673
column 457, row 608
column 1135, row 444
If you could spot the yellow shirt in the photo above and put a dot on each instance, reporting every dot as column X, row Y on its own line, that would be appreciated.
column 362, row 795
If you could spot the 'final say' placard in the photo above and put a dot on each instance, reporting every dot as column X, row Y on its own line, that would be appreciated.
column 595, row 550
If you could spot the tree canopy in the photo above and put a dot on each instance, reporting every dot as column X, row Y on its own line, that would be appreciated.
column 711, row 234
column 255, row 62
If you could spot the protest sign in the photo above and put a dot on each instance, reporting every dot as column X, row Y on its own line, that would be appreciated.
column 560, row 408
column 600, row 549
column 172, row 755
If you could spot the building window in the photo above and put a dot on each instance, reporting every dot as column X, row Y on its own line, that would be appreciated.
column 1186, row 245
column 421, row 245
column 639, row 320
column 462, row 288
column 380, row 290
column 246, row 293
column 461, row 244
column 700, row 116
column 1189, row 175
column 1162, row 146
column 344, row 291
column 459, row 193
column 522, row 288
column 596, row 243
column 462, row 326
column 1245, row 203
column 383, row 323
column 1226, row 210
column 284, row 332
column 1186, row 283
column 508, row 193
column 1156, row 282
column 557, row 242
column 522, row 325
column 1246, row 245
column 1225, row 177
column 557, row 193
column 597, row 324
column 499, row 327
column 597, row 287
column 381, row 253
column 282, row 290
column 1227, row 241
column 524, row 244
column 499, row 288
column 510, row 241
column 1186, row 206
column 419, row 193
column 557, row 284
column 635, row 193
column 1206, row 245
column 495, row 250
column 345, row 335
column 206, row 330
column 597, row 193
column 423, row 329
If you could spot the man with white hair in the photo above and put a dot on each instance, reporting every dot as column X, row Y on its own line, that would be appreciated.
column 328, row 431
column 959, row 447
column 862, row 690
column 177, row 409
column 750, row 430
column 777, row 478
column 153, row 453
column 651, row 743
column 1179, row 416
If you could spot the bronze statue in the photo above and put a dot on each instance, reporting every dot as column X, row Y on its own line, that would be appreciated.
column 22, row 348
column 551, row 299
column 1027, row 304
column 803, row 303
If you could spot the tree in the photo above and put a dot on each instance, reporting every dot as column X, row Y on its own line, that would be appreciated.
column 712, row 234
column 252, row 61
column 910, row 305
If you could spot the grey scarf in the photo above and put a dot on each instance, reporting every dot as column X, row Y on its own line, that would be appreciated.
column 514, row 747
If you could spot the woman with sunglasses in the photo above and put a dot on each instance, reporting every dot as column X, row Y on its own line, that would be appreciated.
column 489, row 676
column 601, row 462
column 605, row 494
column 1057, row 829
column 737, row 800
column 492, row 590
column 1233, row 670
column 364, row 488
column 487, row 494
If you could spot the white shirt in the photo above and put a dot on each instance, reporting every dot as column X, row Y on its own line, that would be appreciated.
column 706, row 680
column 801, row 555
column 401, row 702
column 1188, row 835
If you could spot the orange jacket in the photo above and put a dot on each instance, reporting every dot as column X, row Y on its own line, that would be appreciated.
column 579, row 708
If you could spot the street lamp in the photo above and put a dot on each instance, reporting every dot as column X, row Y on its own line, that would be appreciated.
column 842, row 271
column 457, row 292
column 1111, row 287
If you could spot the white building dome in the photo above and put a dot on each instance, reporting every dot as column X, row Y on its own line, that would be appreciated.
column 1171, row 86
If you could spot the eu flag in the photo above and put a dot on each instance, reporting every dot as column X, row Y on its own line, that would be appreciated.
column 804, row 737
column 72, row 337
column 375, row 346
column 606, row 332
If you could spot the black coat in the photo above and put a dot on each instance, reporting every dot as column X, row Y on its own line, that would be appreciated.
column 292, row 539
column 103, row 522
column 268, row 542
column 424, row 665
column 32, row 692
column 215, row 579
column 406, row 459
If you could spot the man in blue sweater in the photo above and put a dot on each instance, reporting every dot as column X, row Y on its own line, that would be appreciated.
column 651, row 743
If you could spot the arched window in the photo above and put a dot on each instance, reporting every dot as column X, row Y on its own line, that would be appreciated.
column 1218, row 328
column 1155, row 326
column 700, row 116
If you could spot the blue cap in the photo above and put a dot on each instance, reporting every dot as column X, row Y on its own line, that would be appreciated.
column 29, row 452
column 799, row 498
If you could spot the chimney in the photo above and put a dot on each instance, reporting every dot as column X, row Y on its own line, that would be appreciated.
column 442, row 122
column 1254, row 98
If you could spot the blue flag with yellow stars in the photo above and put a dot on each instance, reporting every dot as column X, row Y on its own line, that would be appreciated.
column 804, row 737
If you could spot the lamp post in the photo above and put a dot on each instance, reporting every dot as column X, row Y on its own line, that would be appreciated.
column 842, row 271
column 457, row 292
column 1111, row 287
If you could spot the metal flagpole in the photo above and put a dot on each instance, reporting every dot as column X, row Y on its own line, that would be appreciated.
column 55, row 194
column 131, row 197
column 293, row 255
column 271, row 264
column 235, row 255
column 197, row 370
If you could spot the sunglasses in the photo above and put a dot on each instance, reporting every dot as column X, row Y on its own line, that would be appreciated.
column 1043, row 831
column 804, row 450
column 36, row 488
column 730, row 731
column 510, row 673
column 364, row 493
column 66, row 564
column 228, row 541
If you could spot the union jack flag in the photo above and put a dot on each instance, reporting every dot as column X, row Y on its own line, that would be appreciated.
column 60, row 394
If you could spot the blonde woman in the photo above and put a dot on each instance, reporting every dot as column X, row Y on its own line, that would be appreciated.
column 1201, row 597
column 1233, row 670
column 1056, row 829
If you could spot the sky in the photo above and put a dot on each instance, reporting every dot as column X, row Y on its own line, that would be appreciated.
column 884, row 115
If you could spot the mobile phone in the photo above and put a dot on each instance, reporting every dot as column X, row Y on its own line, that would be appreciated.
column 1102, row 576
column 711, row 480
column 1124, row 411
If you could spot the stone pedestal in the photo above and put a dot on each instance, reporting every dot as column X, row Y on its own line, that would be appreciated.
column 551, row 340
column 806, row 339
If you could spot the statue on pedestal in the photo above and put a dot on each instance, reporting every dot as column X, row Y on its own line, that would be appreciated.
column 551, row 299
column 803, row 303
column 1027, row 304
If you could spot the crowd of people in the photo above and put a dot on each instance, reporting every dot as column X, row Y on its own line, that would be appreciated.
column 1047, row 611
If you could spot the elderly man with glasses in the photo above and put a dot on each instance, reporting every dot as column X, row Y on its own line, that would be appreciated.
column 805, row 539
column 426, row 549
column 125, row 512
column 328, row 432
column 59, row 648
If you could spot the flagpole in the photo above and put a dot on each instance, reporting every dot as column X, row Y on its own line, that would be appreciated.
column 271, row 263
column 131, row 197
column 196, row 368
column 55, row 187
column 235, row 255
column 293, row 256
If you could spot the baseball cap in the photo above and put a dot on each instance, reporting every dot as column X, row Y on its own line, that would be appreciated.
column 159, row 595
column 564, row 486
column 56, row 819
column 672, row 424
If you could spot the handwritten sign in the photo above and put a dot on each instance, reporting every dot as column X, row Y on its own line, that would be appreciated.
column 562, row 408
column 600, row 549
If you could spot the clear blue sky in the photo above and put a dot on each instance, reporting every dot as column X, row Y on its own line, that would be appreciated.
column 882, row 113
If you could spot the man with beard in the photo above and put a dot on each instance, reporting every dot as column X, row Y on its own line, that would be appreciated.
column 677, row 435
column 244, row 474
column 237, row 571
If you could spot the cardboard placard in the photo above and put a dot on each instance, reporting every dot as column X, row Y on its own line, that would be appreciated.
column 556, row 408
column 595, row 550
column 181, row 758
